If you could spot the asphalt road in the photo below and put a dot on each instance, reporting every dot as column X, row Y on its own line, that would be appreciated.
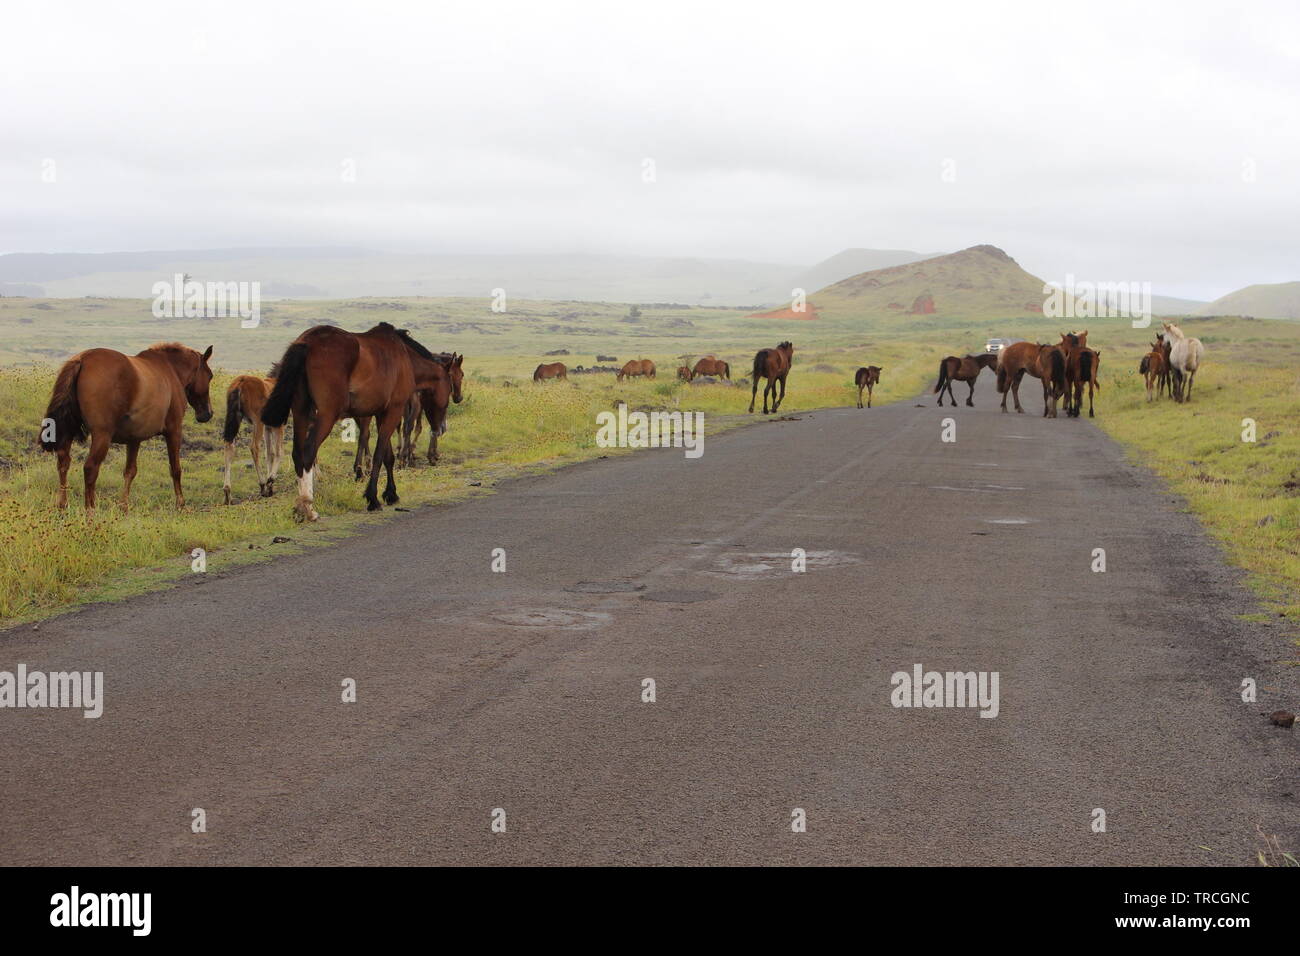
column 523, row 690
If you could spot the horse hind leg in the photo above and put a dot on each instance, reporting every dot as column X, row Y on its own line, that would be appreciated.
column 128, row 473
column 753, row 395
column 99, row 442
column 970, row 399
column 225, row 480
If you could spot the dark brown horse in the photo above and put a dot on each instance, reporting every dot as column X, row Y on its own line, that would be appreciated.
column 867, row 377
column 245, row 398
column 554, row 370
column 433, row 403
column 773, row 365
column 1044, row 362
column 1081, row 364
column 328, row 374
column 635, row 367
column 711, row 365
column 124, row 400
column 954, row 369
column 684, row 373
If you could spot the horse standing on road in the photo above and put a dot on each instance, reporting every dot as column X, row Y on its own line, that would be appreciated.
column 867, row 377
column 1044, row 362
column 954, row 369
column 773, row 365
column 124, row 400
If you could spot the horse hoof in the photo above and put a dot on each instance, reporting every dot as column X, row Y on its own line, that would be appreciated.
column 391, row 499
column 374, row 506
column 227, row 493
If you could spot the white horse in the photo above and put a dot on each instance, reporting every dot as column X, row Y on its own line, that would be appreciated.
column 1184, row 359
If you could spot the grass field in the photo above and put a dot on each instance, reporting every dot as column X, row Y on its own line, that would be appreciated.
column 1248, row 494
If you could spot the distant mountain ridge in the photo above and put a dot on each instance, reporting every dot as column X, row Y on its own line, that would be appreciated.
column 328, row 272
column 1280, row 300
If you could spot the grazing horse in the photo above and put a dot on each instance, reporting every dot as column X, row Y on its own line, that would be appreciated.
column 1184, row 359
column 773, row 365
column 684, row 373
column 867, row 377
column 554, row 370
column 710, row 365
column 432, row 402
column 1155, row 368
column 122, row 399
column 328, row 374
column 954, row 369
column 245, row 399
column 1044, row 362
column 635, row 367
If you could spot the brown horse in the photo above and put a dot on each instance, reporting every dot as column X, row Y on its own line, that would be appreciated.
column 432, row 402
column 1081, row 364
column 1044, row 362
column 684, row 373
column 1154, row 367
column 124, row 400
column 245, row 399
column 328, row 374
column 954, row 369
column 636, row 367
column 554, row 370
column 711, row 365
column 867, row 377
column 773, row 365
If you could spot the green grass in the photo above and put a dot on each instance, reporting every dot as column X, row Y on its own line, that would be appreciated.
column 509, row 426
column 506, row 426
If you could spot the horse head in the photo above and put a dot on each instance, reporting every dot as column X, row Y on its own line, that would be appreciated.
column 196, row 388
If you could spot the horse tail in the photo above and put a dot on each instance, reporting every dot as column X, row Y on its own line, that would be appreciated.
column 234, row 413
column 726, row 370
column 1085, row 366
column 1058, row 370
column 64, row 409
column 760, row 364
column 293, row 375
column 1145, row 365
column 943, row 376
column 1002, row 377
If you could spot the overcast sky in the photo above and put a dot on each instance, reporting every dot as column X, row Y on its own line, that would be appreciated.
column 1118, row 142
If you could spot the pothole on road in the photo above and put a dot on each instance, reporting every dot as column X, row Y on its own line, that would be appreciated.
column 552, row 617
column 752, row 565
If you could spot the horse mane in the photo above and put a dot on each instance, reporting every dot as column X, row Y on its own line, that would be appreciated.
column 168, row 347
column 274, row 371
column 405, row 336
column 785, row 345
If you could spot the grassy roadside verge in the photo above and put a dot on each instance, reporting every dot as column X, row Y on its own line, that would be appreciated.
column 504, row 428
column 1246, row 494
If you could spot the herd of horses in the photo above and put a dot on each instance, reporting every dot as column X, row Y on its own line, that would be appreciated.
column 1064, row 369
column 383, row 377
